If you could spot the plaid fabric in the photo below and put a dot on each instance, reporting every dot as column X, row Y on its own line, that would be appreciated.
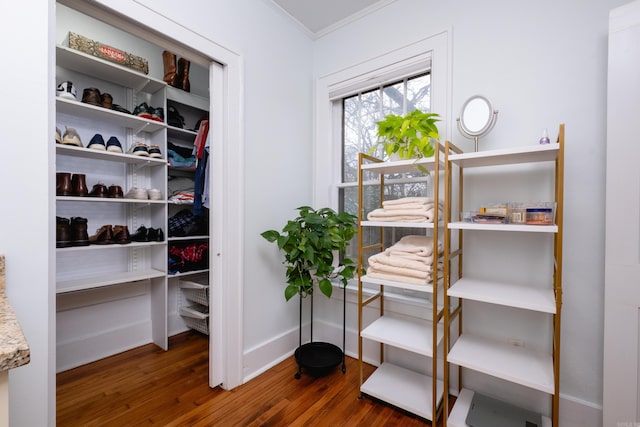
column 182, row 223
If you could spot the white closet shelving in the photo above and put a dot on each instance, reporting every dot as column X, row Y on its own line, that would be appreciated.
column 86, row 269
column 528, row 366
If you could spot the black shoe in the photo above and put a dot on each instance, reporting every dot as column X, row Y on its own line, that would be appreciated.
column 79, row 235
column 63, row 232
column 155, row 235
column 141, row 235
column 143, row 111
column 119, row 108
column 157, row 114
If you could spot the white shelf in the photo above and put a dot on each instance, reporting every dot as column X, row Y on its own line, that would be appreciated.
column 396, row 224
column 407, row 333
column 198, row 237
column 403, row 388
column 503, row 227
column 131, row 245
column 187, row 273
column 427, row 287
column 105, row 70
column 458, row 415
column 401, row 166
column 193, row 312
column 105, row 115
column 86, row 153
column 187, row 98
column 508, row 156
column 109, row 200
column 526, row 297
column 516, row 364
column 108, row 280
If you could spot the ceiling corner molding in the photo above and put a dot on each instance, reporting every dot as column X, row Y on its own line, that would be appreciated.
column 352, row 18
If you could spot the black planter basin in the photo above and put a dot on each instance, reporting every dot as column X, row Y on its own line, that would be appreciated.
column 318, row 358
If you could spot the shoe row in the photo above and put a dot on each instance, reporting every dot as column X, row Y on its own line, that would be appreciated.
column 73, row 232
column 71, row 137
column 68, row 184
column 93, row 96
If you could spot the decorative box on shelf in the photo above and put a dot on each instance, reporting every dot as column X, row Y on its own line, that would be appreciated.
column 101, row 50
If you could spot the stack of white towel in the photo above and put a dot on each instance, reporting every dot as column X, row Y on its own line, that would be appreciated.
column 410, row 260
column 407, row 209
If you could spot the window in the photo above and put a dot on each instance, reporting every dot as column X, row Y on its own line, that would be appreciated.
column 350, row 101
column 360, row 112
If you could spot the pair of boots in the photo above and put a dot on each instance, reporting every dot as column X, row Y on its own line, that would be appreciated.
column 71, row 185
column 71, row 232
column 176, row 76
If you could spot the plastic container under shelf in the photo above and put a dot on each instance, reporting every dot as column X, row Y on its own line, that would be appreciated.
column 196, row 317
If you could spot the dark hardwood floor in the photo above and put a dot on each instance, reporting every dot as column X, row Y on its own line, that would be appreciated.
column 149, row 386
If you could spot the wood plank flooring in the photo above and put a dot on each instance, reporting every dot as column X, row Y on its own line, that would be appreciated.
column 148, row 386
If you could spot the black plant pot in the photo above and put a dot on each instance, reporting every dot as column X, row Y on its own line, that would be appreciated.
column 318, row 358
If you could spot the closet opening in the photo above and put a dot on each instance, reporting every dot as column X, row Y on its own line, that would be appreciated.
column 164, row 272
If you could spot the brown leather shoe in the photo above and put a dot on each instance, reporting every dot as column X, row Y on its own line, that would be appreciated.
column 103, row 236
column 169, row 62
column 115, row 192
column 79, row 184
column 121, row 234
column 183, row 75
column 63, row 232
column 92, row 96
column 106, row 101
column 63, row 184
column 99, row 190
column 79, row 236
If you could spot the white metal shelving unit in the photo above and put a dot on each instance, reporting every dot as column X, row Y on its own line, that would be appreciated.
column 528, row 367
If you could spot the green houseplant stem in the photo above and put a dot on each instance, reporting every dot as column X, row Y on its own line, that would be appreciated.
column 308, row 242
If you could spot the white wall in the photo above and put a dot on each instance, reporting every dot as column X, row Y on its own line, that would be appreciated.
column 540, row 64
column 27, row 220
column 278, row 114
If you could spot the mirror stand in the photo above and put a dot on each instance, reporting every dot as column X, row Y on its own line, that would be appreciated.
column 477, row 118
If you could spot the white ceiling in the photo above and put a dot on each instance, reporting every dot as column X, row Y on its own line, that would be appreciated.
column 319, row 15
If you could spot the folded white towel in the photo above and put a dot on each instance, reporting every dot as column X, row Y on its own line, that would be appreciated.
column 416, row 245
column 399, row 278
column 410, row 206
column 403, row 200
column 403, row 215
column 399, row 265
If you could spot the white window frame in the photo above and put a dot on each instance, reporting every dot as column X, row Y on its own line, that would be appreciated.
column 431, row 53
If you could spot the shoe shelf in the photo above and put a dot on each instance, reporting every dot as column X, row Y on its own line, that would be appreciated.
column 183, row 134
column 104, row 70
column 92, row 112
column 109, row 200
column 510, row 295
column 458, row 415
column 513, row 363
column 131, row 245
column 87, row 153
column 404, row 332
column 94, row 282
column 403, row 388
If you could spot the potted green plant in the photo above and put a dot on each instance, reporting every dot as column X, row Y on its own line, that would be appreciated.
column 408, row 136
column 309, row 242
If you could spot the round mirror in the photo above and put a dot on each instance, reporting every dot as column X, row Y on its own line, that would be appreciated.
column 477, row 118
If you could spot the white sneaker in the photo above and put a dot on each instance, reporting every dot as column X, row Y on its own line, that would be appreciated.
column 154, row 194
column 136, row 193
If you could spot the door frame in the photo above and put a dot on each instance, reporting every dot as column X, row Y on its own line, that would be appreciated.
column 227, row 186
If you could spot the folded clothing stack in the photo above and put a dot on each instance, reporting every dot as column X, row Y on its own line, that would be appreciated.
column 410, row 260
column 407, row 209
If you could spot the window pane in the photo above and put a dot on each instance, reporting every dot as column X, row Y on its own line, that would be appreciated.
column 419, row 93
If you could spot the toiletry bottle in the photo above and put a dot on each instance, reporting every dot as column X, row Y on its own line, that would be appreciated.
column 545, row 137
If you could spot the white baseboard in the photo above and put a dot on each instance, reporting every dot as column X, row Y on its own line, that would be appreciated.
column 83, row 350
